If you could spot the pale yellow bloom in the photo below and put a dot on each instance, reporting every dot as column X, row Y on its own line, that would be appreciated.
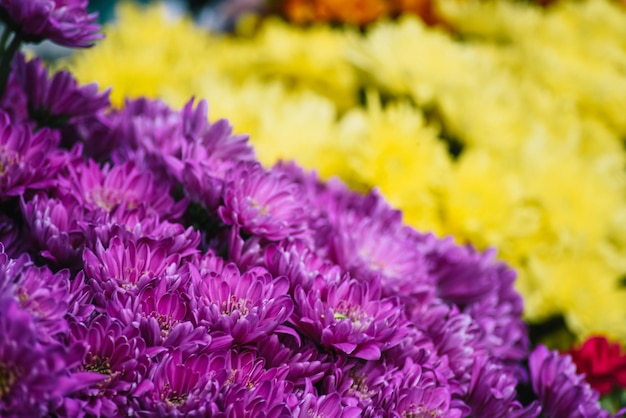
column 395, row 150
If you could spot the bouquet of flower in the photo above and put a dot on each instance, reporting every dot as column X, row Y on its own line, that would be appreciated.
column 150, row 266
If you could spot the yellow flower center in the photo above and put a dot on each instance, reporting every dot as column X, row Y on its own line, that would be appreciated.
column 98, row 364
column 6, row 380
column 234, row 303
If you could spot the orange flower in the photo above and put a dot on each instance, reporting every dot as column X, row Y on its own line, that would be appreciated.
column 358, row 12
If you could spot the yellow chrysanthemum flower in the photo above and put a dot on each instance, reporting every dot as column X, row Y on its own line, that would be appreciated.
column 393, row 149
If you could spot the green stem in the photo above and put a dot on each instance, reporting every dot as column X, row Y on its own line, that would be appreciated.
column 5, row 38
column 7, row 58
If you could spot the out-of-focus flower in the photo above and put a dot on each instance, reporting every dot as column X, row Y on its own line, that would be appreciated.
column 602, row 362
column 560, row 390
column 53, row 226
column 357, row 12
column 65, row 22
column 27, row 160
column 55, row 100
column 34, row 376
column 492, row 392
column 118, row 186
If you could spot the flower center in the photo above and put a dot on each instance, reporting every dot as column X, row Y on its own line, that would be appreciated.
column 255, row 204
column 108, row 198
column 359, row 386
column 418, row 411
column 98, row 364
column 176, row 399
column 7, row 159
column 236, row 304
column 353, row 313
column 166, row 322
column 6, row 380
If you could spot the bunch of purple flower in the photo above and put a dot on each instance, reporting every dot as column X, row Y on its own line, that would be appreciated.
column 150, row 266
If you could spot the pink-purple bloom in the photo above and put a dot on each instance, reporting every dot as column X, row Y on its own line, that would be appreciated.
column 150, row 266
column 263, row 203
column 65, row 22
column 34, row 376
column 350, row 317
column 560, row 390
column 58, row 99
column 28, row 160
column 249, row 306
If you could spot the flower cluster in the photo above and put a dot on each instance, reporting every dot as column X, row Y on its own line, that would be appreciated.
column 150, row 266
column 460, row 134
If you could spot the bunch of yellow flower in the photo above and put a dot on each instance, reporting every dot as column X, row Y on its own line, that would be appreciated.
column 508, row 133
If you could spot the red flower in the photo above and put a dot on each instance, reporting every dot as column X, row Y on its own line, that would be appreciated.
column 603, row 363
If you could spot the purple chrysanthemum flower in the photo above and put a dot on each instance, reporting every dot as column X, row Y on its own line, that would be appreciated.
column 305, row 360
column 117, row 352
column 211, row 147
column 455, row 336
column 127, row 265
column 53, row 226
column 65, row 22
column 10, row 238
column 56, row 100
column 313, row 406
column 263, row 203
column 248, row 306
column 14, row 101
column 120, row 185
column 351, row 318
column 371, row 247
column 424, row 402
column 176, row 146
column 162, row 310
column 46, row 296
column 483, row 288
column 178, row 385
column 147, row 132
column 137, row 224
column 80, row 306
column 560, row 390
column 34, row 377
column 244, row 375
column 492, row 392
column 366, row 384
column 27, row 160
column 299, row 263
column 267, row 399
